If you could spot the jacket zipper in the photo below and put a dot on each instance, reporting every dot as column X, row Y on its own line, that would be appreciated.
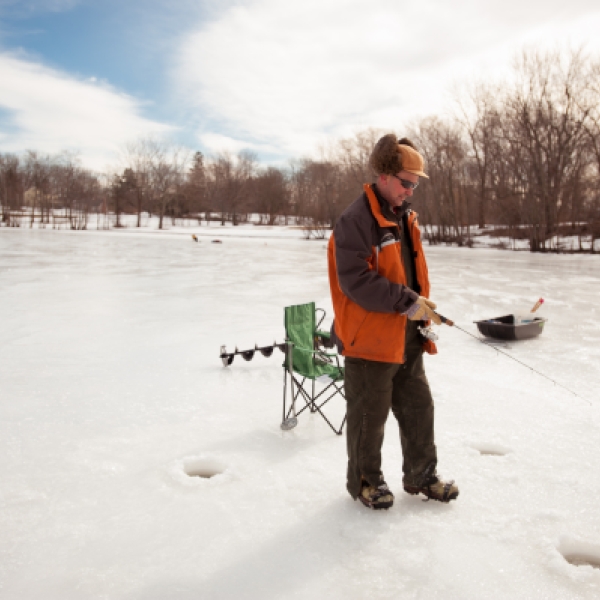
column 358, row 329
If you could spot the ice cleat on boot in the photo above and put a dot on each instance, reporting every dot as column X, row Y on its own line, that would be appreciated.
column 435, row 488
column 376, row 497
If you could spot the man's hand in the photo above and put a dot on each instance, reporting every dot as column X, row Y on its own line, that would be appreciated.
column 423, row 310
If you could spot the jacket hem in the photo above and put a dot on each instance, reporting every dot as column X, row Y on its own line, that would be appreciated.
column 396, row 359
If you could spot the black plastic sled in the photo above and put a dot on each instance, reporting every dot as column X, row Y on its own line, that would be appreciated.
column 504, row 328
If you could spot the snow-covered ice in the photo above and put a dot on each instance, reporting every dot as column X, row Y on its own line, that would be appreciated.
column 113, row 400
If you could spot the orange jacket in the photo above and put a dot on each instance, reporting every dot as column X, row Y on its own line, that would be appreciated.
column 368, row 281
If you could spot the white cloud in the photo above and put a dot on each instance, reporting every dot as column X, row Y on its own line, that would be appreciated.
column 216, row 143
column 50, row 111
column 289, row 74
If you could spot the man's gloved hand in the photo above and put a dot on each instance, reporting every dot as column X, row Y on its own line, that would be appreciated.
column 423, row 310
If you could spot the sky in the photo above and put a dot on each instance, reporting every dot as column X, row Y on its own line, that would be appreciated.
column 276, row 77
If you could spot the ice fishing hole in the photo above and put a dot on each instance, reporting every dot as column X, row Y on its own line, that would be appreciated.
column 582, row 560
column 205, row 468
column 580, row 554
column 491, row 449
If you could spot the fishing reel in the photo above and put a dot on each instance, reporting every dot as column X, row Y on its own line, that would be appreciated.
column 428, row 333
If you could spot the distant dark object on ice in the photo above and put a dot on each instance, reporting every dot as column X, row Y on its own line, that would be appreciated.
column 194, row 237
column 505, row 328
column 217, row 242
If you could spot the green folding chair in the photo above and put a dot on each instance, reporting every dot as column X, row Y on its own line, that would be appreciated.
column 305, row 362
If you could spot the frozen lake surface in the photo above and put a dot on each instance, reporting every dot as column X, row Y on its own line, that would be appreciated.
column 112, row 389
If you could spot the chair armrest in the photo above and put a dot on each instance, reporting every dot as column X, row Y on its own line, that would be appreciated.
column 311, row 351
column 323, row 338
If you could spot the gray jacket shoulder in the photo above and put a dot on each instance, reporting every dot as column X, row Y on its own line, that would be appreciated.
column 357, row 221
column 355, row 235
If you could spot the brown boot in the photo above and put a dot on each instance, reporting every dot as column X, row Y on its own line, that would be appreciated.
column 376, row 497
column 434, row 488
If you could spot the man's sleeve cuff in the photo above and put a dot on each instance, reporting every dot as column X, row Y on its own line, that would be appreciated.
column 407, row 301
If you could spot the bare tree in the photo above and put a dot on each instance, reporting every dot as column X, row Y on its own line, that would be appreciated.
column 11, row 188
column 317, row 192
column 37, row 171
column 195, row 188
column 230, row 185
column 270, row 194
column 139, row 156
column 444, row 197
column 159, row 171
column 478, row 115
column 71, row 186
column 545, row 122
column 353, row 156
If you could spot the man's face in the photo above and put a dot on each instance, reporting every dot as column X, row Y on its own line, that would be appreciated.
column 392, row 189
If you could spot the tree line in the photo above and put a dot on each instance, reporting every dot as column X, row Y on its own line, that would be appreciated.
column 524, row 155
column 519, row 159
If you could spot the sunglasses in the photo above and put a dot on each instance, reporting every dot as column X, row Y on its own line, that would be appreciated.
column 407, row 185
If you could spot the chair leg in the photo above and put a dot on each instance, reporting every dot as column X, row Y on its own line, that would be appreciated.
column 338, row 390
column 342, row 426
column 310, row 401
column 284, row 392
column 289, row 422
column 300, row 391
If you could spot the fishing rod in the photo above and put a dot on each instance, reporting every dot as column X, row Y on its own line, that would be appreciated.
column 451, row 323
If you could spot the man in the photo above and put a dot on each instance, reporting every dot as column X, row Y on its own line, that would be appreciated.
column 380, row 288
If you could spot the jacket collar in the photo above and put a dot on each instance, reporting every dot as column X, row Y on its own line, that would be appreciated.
column 396, row 212
column 385, row 215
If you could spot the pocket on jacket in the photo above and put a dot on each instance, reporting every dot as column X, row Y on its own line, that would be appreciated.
column 380, row 336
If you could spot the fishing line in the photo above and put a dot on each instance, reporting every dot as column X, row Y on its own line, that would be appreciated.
column 451, row 323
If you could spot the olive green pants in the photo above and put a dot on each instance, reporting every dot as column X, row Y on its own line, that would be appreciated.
column 371, row 389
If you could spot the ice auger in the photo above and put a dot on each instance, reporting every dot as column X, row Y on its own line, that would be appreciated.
column 227, row 357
